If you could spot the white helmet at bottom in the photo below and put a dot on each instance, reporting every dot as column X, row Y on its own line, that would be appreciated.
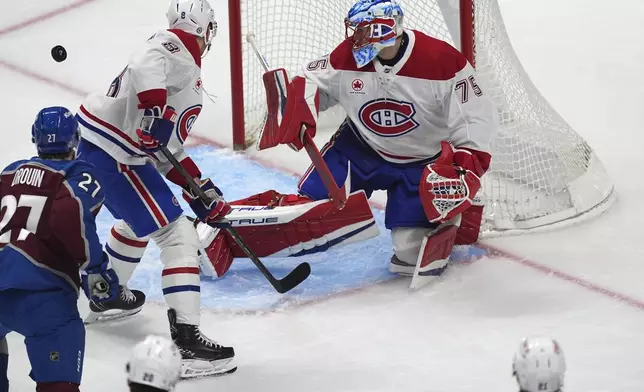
column 195, row 17
column 539, row 365
column 155, row 362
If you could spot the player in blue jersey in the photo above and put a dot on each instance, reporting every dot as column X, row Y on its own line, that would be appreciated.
column 47, row 235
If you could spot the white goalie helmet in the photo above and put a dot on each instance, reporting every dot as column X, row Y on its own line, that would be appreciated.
column 195, row 17
column 539, row 365
column 155, row 362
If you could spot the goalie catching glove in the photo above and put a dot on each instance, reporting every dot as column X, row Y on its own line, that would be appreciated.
column 449, row 184
column 292, row 116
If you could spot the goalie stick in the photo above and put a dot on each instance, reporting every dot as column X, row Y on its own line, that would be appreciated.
column 289, row 282
column 337, row 194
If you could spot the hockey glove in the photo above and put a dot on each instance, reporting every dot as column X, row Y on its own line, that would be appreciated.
column 100, row 283
column 208, row 211
column 156, row 127
column 299, row 113
column 446, row 188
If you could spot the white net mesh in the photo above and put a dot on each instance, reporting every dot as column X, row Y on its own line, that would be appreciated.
column 543, row 172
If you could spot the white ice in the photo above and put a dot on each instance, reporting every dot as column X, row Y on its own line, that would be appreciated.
column 458, row 335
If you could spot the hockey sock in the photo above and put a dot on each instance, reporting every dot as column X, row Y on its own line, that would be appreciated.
column 125, row 250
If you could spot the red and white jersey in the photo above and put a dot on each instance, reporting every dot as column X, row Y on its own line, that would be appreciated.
column 166, row 70
column 404, row 111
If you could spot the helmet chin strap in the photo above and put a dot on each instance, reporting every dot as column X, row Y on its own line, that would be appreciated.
column 206, row 51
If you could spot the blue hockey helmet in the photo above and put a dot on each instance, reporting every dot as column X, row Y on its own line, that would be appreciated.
column 373, row 25
column 55, row 131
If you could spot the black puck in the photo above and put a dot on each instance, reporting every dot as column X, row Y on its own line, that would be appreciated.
column 59, row 53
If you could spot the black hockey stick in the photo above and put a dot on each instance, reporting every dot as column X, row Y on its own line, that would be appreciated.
column 289, row 282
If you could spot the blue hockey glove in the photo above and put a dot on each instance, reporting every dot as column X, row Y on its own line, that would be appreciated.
column 156, row 127
column 100, row 283
column 210, row 211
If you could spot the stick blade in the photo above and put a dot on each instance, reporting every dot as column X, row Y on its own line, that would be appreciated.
column 294, row 278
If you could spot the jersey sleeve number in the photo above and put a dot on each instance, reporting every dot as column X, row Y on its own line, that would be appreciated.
column 10, row 205
column 318, row 64
column 462, row 87
column 115, row 87
column 85, row 184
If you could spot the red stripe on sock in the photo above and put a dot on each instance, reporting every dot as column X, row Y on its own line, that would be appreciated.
column 128, row 241
column 180, row 270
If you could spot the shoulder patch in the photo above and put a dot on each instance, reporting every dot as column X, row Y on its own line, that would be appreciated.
column 171, row 47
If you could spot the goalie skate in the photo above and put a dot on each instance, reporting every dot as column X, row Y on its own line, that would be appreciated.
column 129, row 303
column 200, row 356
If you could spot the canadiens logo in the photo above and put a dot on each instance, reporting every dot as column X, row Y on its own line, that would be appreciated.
column 357, row 85
column 185, row 122
column 388, row 118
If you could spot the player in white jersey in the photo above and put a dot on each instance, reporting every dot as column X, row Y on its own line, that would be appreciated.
column 153, row 103
column 539, row 365
column 417, row 126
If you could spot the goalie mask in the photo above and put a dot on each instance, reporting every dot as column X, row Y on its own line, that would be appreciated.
column 195, row 17
column 373, row 25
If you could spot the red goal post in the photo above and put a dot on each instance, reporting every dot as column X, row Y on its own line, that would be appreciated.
column 543, row 173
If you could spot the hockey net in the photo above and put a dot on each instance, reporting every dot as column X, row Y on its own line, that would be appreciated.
column 543, row 173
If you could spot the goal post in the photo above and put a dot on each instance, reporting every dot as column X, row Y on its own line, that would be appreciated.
column 543, row 173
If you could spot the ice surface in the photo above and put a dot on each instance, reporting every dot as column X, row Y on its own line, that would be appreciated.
column 458, row 335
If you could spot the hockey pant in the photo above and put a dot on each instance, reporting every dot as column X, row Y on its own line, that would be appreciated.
column 53, row 330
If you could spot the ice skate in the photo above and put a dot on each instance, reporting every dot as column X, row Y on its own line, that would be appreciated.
column 397, row 266
column 129, row 303
column 201, row 357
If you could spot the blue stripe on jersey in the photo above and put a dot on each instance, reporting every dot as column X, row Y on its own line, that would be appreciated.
column 119, row 256
column 179, row 289
column 106, row 136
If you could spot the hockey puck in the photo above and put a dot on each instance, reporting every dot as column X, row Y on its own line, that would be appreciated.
column 59, row 53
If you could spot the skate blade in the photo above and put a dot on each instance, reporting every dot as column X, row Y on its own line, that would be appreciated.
column 104, row 317
column 195, row 368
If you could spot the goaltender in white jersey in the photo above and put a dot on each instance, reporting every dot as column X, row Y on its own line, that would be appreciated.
column 418, row 126
column 152, row 103
column 403, row 108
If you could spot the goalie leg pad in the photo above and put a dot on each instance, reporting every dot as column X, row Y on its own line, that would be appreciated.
column 471, row 220
column 218, row 256
column 181, row 284
column 294, row 230
column 124, row 249
column 434, row 253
